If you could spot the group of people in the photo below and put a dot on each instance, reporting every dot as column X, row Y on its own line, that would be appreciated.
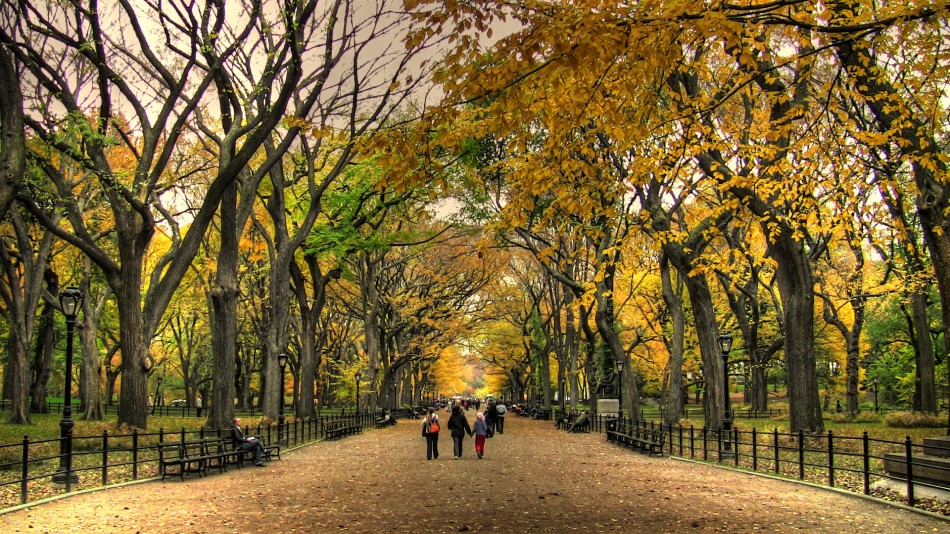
column 486, row 424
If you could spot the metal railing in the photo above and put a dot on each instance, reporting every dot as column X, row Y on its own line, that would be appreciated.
column 28, row 466
column 854, row 463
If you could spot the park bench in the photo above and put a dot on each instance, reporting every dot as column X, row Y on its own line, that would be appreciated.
column 566, row 419
column 242, row 455
column 386, row 419
column 196, row 456
column 574, row 422
column 341, row 427
column 639, row 438
column 200, row 455
column 170, row 456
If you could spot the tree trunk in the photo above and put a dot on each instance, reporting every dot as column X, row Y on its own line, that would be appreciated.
column 927, row 383
column 90, row 380
column 224, row 303
column 19, row 380
column 759, row 388
column 133, row 390
column 674, row 366
column 707, row 331
column 796, row 288
column 12, row 135
column 43, row 360
column 605, row 319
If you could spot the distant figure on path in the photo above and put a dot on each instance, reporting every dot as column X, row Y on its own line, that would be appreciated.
column 458, row 425
column 491, row 418
column 501, row 410
column 430, row 429
column 198, row 405
column 481, row 432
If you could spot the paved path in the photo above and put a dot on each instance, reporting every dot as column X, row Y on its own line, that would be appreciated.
column 534, row 479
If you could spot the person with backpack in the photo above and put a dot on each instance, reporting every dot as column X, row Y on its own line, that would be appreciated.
column 501, row 410
column 430, row 431
column 458, row 425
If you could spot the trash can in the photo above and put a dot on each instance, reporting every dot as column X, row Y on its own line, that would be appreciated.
column 610, row 424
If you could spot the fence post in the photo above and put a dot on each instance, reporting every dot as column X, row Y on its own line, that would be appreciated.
column 831, row 460
column 735, row 444
column 705, row 445
column 105, row 457
column 776, row 447
column 908, row 453
column 867, row 464
column 755, row 450
column 801, row 455
column 719, row 444
column 135, row 454
column 25, row 470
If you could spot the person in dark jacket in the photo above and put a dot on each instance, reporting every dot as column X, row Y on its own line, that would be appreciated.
column 247, row 443
column 491, row 417
column 459, row 426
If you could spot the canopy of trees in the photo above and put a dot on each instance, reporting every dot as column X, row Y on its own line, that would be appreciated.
column 526, row 199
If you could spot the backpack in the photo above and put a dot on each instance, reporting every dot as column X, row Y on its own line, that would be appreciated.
column 501, row 409
column 433, row 427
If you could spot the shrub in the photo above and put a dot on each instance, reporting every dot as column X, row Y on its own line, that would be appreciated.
column 914, row 420
column 863, row 417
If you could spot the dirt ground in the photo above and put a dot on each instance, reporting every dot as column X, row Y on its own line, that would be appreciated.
column 533, row 478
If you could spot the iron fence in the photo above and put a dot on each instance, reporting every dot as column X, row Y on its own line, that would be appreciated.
column 27, row 467
column 857, row 464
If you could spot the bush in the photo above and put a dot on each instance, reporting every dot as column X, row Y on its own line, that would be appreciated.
column 863, row 417
column 914, row 420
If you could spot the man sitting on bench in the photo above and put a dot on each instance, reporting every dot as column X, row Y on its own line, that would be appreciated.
column 580, row 424
column 247, row 443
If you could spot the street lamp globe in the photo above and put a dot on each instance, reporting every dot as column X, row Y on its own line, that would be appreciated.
column 71, row 301
column 725, row 343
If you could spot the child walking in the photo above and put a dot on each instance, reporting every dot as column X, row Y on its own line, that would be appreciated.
column 481, row 432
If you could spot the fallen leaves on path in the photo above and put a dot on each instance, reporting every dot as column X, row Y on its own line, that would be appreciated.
column 534, row 478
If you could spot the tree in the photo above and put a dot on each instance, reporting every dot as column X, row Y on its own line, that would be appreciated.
column 119, row 67
column 23, row 282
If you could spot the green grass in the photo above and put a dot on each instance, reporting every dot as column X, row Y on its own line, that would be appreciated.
column 46, row 426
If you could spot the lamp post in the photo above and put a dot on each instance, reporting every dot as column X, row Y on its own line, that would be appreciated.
column 70, row 300
column 358, row 377
column 725, row 345
column 282, row 362
column 875, row 395
column 394, row 399
column 620, row 364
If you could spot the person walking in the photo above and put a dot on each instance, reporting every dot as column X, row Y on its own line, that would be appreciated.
column 430, row 430
column 491, row 417
column 458, row 426
column 500, row 410
column 481, row 432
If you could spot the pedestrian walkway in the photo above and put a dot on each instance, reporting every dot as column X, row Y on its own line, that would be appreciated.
column 533, row 479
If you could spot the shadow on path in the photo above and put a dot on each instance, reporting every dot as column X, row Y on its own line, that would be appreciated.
column 533, row 478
